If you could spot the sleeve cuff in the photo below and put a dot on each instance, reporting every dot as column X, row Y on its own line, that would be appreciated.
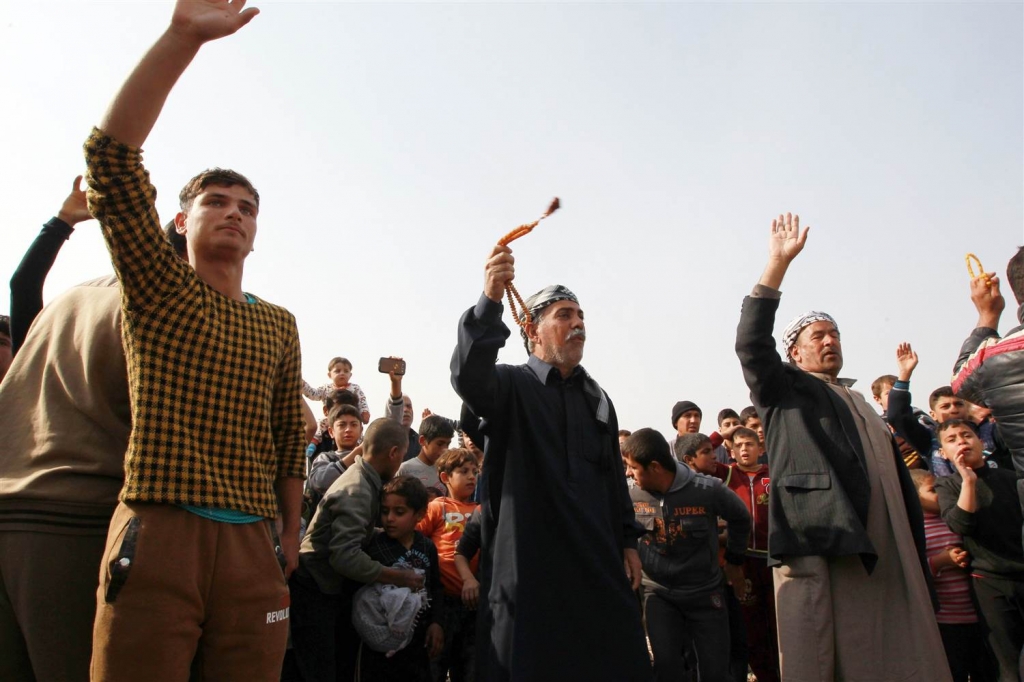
column 58, row 227
column 488, row 311
column 762, row 291
column 901, row 386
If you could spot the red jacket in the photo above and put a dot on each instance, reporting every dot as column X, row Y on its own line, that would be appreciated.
column 754, row 493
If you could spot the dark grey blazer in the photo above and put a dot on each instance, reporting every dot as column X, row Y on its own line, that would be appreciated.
column 819, row 485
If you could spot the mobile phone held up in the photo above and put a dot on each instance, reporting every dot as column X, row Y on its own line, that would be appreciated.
column 388, row 365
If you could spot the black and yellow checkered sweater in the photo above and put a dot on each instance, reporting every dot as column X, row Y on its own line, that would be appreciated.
column 215, row 383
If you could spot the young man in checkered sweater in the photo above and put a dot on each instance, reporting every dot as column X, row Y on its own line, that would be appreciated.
column 191, row 578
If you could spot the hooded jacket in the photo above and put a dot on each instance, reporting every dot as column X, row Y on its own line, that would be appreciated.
column 753, row 491
column 679, row 551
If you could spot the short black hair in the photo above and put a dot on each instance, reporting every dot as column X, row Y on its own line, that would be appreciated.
column 409, row 487
column 646, row 446
column 176, row 240
column 748, row 413
column 383, row 434
column 940, row 393
column 341, row 396
column 1015, row 275
column 951, row 423
column 5, row 325
column 726, row 414
column 689, row 444
column 436, row 427
column 339, row 411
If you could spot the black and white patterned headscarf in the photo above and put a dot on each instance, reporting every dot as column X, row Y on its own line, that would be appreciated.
column 541, row 300
column 797, row 325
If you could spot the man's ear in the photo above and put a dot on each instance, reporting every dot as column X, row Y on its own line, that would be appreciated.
column 179, row 223
column 531, row 331
column 422, row 441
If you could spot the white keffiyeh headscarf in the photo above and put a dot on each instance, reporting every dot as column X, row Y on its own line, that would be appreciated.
column 796, row 325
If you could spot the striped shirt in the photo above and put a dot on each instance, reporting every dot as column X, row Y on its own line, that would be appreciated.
column 952, row 585
column 215, row 383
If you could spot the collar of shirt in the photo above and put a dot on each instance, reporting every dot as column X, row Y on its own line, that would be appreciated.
column 830, row 380
column 543, row 370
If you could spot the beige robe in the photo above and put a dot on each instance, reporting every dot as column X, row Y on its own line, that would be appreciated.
column 836, row 622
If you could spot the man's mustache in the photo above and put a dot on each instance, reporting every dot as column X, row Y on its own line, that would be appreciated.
column 574, row 333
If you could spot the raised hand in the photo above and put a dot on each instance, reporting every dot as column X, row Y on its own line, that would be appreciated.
column 786, row 240
column 906, row 359
column 987, row 299
column 74, row 209
column 206, row 20
column 498, row 271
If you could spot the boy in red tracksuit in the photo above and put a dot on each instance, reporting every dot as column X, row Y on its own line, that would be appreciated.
column 749, row 480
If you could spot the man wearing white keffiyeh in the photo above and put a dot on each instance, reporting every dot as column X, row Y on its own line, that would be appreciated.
column 844, row 519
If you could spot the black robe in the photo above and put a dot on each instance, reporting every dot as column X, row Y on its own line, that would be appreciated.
column 556, row 515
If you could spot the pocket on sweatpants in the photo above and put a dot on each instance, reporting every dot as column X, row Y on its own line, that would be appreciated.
column 119, row 563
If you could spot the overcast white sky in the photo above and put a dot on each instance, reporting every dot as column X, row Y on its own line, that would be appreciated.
column 393, row 144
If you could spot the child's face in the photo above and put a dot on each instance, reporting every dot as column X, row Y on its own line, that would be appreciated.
column 703, row 461
column 346, row 431
column 397, row 518
column 340, row 374
column 929, row 498
column 883, row 396
column 728, row 423
column 754, row 423
column 949, row 407
column 746, row 450
column 636, row 471
column 961, row 440
column 431, row 450
column 461, row 482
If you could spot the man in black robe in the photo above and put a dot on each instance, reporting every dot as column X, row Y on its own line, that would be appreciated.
column 558, row 561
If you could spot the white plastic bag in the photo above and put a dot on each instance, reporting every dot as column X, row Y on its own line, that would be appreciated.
column 385, row 616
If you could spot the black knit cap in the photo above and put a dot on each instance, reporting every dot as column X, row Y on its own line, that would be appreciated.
column 683, row 406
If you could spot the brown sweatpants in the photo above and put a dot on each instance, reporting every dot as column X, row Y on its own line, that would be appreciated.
column 47, row 605
column 181, row 593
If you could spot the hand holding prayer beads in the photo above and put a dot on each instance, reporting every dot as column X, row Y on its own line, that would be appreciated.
column 510, row 289
column 971, row 258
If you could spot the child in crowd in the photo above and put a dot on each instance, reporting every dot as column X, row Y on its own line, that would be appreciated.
column 728, row 422
column 750, row 419
column 322, row 440
column 339, row 371
column 751, row 483
column 400, row 544
column 346, row 428
column 684, row 601
column 962, row 635
column 444, row 524
column 436, row 435
column 880, row 389
column 980, row 503
column 944, row 405
column 696, row 451
column 333, row 561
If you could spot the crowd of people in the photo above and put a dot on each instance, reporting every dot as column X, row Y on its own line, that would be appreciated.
column 172, row 509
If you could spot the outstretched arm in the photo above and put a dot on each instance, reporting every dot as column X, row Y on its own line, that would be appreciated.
column 138, row 103
column 755, row 346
